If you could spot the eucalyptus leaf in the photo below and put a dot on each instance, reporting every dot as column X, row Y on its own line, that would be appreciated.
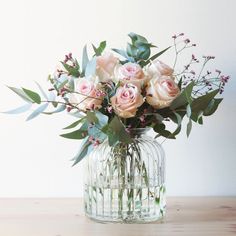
column 188, row 111
column 37, row 112
column 201, row 103
column 200, row 120
column 85, row 148
column 91, row 67
column 156, row 56
column 212, row 106
column 74, row 124
column 137, row 38
column 183, row 98
column 85, row 59
column 77, row 134
column 98, row 51
column 21, row 94
column 189, row 127
column 41, row 90
column 131, row 50
column 60, row 108
column 102, row 119
column 160, row 129
column 91, row 117
column 32, row 95
column 116, row 132
column 20, row 109
column 74, row 71
column 124, row 54
column 143, row 52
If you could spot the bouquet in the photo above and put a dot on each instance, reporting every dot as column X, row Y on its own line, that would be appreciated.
column 111, row 93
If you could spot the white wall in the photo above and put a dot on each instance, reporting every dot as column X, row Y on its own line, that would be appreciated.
column 34, row 160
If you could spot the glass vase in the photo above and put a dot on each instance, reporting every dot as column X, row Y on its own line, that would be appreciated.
column 126, row 183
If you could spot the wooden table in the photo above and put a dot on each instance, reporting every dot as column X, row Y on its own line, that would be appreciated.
column 64, row 217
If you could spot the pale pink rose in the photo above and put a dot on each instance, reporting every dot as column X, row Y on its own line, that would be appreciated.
column 161, row 91
column 105, row 66
column 158, row 68
column 86, row 95
column 130, row 73
column 127, row 100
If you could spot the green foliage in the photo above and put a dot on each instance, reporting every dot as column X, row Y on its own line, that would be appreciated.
column 155, row 56
column 84, row 150
column 80, row 133
column 212, row 106
column 32, row 95
column 91, row 117
column 116, row 132
column 124, row 54
column 161, row 130
column 74, row 124
column 183, row 98
column 21, row 94
column 201, row 103
column 74, row 71
column 98, row 51
column 77, row 134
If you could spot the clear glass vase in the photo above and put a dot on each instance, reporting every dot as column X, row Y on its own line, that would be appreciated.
column 126, row 183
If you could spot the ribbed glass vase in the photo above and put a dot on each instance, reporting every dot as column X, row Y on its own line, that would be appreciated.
column 126, row 183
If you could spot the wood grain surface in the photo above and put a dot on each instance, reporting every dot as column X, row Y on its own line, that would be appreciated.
column 64, row 217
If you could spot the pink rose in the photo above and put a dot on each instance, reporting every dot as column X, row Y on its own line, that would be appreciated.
column 86, row 95
column 158, row 68
column 105, row 66
column 161, row 92
column 127, row 100
column 130, row 73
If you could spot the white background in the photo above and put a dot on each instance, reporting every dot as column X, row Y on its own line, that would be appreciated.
column 34, row 160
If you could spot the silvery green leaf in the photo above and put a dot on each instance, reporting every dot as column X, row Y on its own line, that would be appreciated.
column 212, row 106
column 188, row 111
column 124, row 54
column 60, row 108
column 85, row 148
column 91, row 67
column 91, row 117
column 155, row 56
column 77, row 134
column 20, row 109
column 51, row 96
column 77, row 114
column 21, row 93
column 38, row 111
column 41, row 90
column 85, row 59
column 62, row 81
column 201, row 103
column 102, row 119
column 189, row 127
column 71, row 83
column 73, row 125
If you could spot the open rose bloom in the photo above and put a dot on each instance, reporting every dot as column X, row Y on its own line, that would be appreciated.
column 111, row 92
